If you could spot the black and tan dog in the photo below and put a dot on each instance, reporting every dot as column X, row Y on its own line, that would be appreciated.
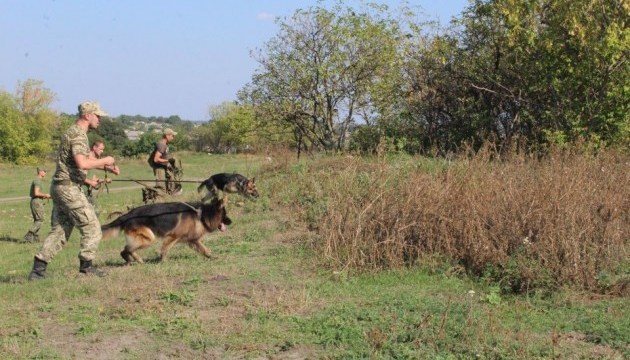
column 228, row 184
column 174, row 222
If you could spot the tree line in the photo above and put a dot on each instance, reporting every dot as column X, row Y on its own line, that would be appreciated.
column 513, row 72
column 524, row 73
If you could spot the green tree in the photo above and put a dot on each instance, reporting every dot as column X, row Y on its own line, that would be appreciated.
column 232, row 127
column 146, row 143
column 33, row 98
column 316, row 75
column 26, row 123
column 513, row 71
column 113, row 133
column 549, row 71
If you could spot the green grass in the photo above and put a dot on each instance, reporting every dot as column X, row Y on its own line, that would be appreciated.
column 264, row 295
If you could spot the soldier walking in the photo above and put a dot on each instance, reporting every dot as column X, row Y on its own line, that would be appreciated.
column 70, row 206
column 37, row 206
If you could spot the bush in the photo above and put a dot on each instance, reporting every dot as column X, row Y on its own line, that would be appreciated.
column 530, row 224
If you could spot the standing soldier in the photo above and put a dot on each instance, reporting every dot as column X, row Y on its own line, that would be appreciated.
column 94, row 183
column 37, row 206
column 161, row 161
column 70, row 206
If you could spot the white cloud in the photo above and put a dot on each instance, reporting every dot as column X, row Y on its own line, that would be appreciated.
column 265, row 16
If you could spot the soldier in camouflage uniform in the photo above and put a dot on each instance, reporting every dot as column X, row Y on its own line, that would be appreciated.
column 37, row 206
column 161, row 161
column 94, row 183
column 70, row 206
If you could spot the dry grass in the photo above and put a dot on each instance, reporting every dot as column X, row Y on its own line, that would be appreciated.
column 529, row 224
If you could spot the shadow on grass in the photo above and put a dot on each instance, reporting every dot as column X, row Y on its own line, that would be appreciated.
column 122, row 263
column 157, row 260
column 16, row 278
column 7, row 238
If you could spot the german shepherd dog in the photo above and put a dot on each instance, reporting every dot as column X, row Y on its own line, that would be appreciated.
column 228, row 183
column 174, row 222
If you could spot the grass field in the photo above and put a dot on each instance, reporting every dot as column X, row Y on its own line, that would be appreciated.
column 265, row 295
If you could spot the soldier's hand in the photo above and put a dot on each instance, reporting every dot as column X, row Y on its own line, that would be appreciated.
column 114, row 169
column 109, row 160
column 93, row 182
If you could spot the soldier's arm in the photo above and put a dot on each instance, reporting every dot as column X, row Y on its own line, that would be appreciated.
column 93, row 182
column 85, row 163
column 158, row 159
column 40, row 194
column 113, row 169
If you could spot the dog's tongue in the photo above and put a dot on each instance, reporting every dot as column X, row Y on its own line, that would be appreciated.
column 222, row 227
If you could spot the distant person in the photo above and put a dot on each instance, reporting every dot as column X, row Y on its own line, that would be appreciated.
column 37, row 206
column 70, row 206
column 94, row 183
column 161, row 161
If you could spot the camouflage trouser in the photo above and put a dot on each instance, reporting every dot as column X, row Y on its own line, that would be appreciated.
column 71, row 209
column 37, row 210
column 92, row 200
column 164, row 178
column 160, row 175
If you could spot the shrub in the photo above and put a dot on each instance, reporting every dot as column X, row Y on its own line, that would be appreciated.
column 527, row 223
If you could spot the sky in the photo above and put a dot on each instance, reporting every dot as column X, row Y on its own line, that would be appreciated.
column 149, row 57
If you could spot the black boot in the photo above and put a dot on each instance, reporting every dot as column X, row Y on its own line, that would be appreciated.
column 30, row 237
column 86, row 268
column 39, row 270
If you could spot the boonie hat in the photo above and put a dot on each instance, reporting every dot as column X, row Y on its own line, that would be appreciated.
column 91, row 107
column 169, row 131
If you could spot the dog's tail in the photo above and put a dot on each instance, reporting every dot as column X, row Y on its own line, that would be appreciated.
column 205, row 184
column 110, row 230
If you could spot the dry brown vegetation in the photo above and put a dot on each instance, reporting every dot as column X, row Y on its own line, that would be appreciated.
column 526, row 223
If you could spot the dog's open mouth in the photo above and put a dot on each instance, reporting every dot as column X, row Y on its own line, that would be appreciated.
column 222, row 227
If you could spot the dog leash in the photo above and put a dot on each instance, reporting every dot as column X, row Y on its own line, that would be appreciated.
column 196, row 210
column 139, row 181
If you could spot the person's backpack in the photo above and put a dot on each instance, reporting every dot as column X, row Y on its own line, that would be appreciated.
column 150, row 159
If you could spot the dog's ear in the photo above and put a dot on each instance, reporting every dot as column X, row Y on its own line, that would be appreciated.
column 253, row 179
column 220, row 204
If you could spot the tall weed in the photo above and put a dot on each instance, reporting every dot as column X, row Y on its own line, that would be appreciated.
column 526, row 223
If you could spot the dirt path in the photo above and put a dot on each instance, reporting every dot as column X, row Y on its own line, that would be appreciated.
column 24, row 198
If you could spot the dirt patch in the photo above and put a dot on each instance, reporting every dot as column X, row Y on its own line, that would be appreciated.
column 68, row 344
column 574, row 343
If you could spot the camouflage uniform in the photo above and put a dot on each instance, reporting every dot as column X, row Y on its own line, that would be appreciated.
column 160, row 171
column 70, row 206
column 37, row 210
column 91, row 197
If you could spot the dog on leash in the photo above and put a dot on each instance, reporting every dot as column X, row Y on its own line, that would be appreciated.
column 228, row 184
column 174, row 222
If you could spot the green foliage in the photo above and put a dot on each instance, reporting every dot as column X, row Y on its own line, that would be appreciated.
column 317, row 74
column 183, row 298
column 364, row 139
column 511, row 72
column 112, row 133
column 232, row 128
column 143, row 146
column 523, row 71
column 26, row 124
